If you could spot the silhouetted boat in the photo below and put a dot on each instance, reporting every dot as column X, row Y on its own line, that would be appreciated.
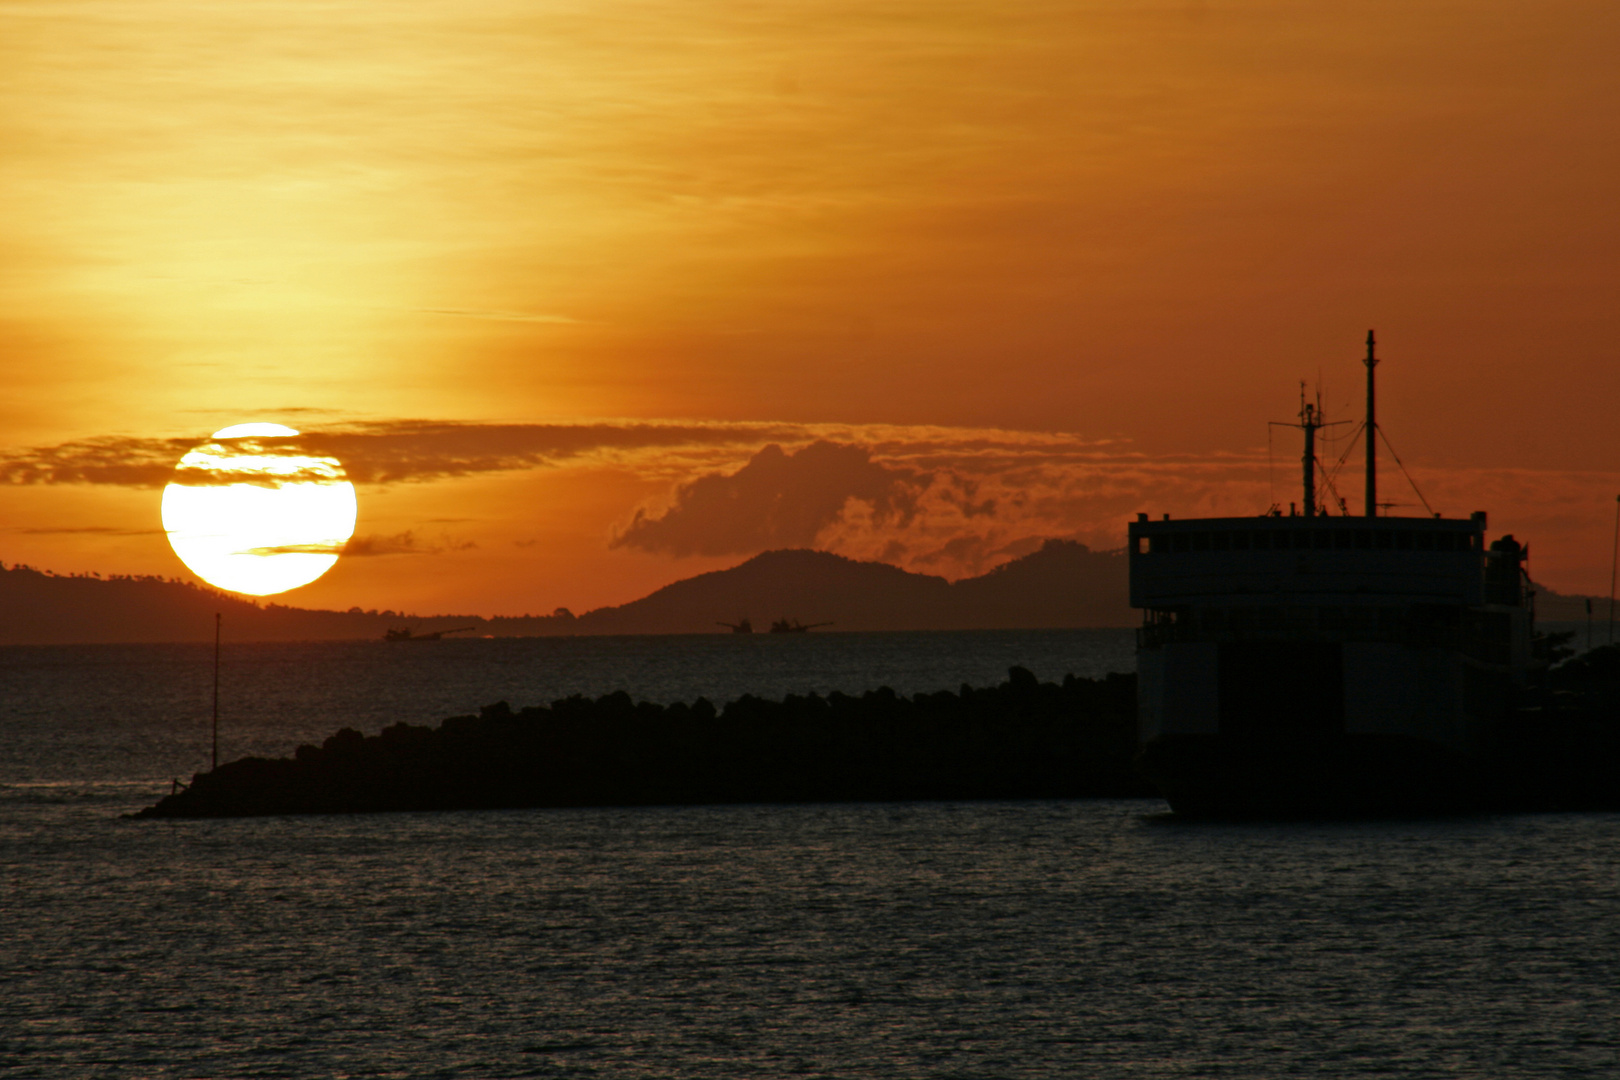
column 741, row 626
column 408, row 635
column 1311, row 663
column 794, row 626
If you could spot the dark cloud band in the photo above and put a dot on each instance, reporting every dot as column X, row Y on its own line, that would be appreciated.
column 377, row 453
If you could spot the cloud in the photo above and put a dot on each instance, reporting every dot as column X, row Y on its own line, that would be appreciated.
column 952, row 501
column 776, row 500
column 946, row 500
column 262, row 461
column 97, row 530
column 991, row 499
column 405, row 543
column 385, row 452
column 331, row 547
column 112, row 460
column 406, row 450
column 148, row 463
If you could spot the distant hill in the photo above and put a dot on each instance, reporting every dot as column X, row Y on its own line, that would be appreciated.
column 1064, row 584
column 1557, row 607
column 41, row 608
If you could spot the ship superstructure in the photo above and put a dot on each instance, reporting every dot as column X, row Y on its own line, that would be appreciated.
column 1309, row 661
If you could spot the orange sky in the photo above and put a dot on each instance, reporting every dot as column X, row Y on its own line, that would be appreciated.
column 1026, row 268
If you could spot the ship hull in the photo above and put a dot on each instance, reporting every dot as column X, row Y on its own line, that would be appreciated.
column 1310, row 775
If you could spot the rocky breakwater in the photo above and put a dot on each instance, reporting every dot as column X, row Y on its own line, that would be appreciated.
column 1022, row 739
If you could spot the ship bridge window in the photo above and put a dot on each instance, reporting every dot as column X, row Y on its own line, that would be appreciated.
column 1442, row 542
column 1344, row 538
column 1260, row 541
column 1364, row 538
column 1240, row 540
column 1200, row 541
column 1403, row 540
column 1220, row 541
column 1424, row 541
column 1385, row 539
column 1321, row 539
column 1181, row 539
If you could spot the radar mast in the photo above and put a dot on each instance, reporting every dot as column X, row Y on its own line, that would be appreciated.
column 1310, row 418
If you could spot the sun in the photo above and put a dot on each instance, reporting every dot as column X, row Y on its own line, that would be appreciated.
column 252, row 512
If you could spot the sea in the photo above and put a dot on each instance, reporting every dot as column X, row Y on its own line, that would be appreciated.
column 1085, row 938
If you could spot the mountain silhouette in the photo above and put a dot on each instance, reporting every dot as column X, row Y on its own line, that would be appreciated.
column 41, row 608
column 1064, row 584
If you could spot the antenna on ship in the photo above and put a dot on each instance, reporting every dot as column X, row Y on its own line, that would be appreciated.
column 1310, row 422
column 1373, row 433
column 1310, row 418
column 1371, row 430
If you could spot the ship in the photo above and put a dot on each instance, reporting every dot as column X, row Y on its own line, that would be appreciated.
column 407, row 634
column 794, row 626
column 780, row 626
column 1320, row 663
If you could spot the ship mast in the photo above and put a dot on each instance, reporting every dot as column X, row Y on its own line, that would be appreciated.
column 1371, row 431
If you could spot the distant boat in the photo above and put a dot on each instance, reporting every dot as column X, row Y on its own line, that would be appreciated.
column 407, row 635
column 785, row 626
column 741, row 626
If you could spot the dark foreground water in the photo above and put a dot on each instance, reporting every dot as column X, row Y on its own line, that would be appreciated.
column 938, row 940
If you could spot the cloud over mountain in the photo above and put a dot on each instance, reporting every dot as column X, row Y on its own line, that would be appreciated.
column 776, row 500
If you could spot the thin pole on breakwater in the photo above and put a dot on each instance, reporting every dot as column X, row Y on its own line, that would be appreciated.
column 216, row 689
column 1614, row 565
column 1371, row 429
